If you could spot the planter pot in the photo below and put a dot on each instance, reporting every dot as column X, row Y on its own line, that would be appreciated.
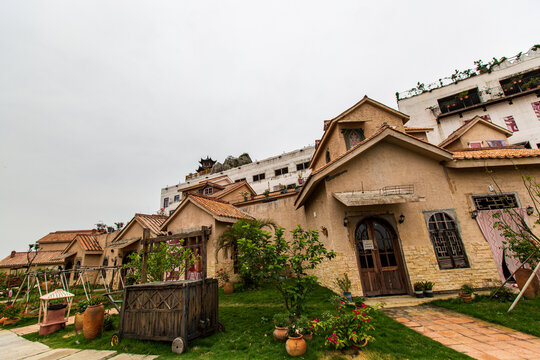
column 300, row 181
column 228, row 288
column 11, row 321
column 521, row 276
column 79, row 317
column 2, row 320
column 280, row 333
column 93, row 321
column 296, row 346
column 266, row 197
column 419, row 293
column 308, row 337
column 360, row 345
column 428, row 293
column 347, row 295
column 245, row 198
column 43, row 283
column 465, row 297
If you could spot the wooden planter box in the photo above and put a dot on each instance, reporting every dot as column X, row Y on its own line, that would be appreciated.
column 165, row 311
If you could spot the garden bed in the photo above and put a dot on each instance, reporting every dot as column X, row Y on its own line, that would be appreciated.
column 247, row 317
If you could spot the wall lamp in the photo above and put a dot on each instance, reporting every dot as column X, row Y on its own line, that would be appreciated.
column 530, row 210
column 324, row 230
column 474, row 214
column 346, row 221
column 401, row 219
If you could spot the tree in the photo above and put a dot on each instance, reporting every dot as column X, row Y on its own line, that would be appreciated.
column 173, row 259
column 284, row 264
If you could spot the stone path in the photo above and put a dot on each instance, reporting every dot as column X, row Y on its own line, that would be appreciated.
column 473, row 337
column 19, row 348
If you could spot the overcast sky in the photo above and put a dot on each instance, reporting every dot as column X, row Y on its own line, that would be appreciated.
column 103, row 103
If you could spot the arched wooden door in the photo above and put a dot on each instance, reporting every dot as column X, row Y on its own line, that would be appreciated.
column 379, row 258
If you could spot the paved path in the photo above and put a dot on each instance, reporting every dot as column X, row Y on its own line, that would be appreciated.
column 19, row 348
column 473, row 337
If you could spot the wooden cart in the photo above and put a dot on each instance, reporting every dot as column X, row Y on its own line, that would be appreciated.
column 178, row 311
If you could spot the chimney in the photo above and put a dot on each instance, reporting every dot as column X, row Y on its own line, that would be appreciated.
column 13, row 254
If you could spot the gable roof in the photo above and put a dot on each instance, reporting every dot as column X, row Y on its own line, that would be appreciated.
column 330, row 124
column 219, row 209
column 232, row 187
column 87, row 243
column 63, row 236
column 459, row 132
column 202, row 184
column 417, row 129
column 147, row 221
column 18, row 259
column 384, row 132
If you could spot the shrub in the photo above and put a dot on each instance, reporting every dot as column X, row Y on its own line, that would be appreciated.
column 223, row 275
column 96, row 301
column 12, row 311
column 281, row 320
column 358, row 300
column 418, row 286
column 467, row 289
column 503, row 295
column 108, row 322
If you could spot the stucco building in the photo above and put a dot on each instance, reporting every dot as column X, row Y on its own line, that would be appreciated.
column 505, row 92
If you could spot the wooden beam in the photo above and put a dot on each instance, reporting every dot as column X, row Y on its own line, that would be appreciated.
column 146, row 235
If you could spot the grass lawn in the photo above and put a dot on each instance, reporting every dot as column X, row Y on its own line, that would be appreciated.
column 247, row 318
column 525, row 317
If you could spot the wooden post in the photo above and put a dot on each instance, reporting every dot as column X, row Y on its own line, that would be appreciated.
column 146, row 236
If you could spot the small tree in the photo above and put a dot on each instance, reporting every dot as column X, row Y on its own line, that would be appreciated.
column 169, row 258
column 284, row 264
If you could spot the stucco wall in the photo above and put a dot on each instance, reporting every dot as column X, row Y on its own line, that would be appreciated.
column 479, row 132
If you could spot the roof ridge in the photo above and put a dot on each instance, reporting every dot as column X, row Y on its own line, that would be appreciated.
column 209, row 198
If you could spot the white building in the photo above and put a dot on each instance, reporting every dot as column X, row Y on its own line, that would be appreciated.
column 505, row 92
column 271, row 173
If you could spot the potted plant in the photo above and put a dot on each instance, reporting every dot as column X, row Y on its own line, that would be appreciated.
column 108, row 322
column 358, row 301
column 300, row 179
column 419, row 289
column 345, row 285
column 79, row 314
column 305, row 327
column 281, row 322
column 295, row 345
column 93, row 318
column 296, row 188
column 266, row 194
column 428, row 289
column 228, row 286
column 245, row 195
column 466, row 292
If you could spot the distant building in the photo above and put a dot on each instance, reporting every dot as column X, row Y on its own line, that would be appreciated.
column 505, row 92
column 285, row 170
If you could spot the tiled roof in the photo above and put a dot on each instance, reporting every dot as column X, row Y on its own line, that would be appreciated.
column 230, row 188
column 465, row 127
column 88, row 242
column 64, row 236
column 417, row 129
column 272, row 195
column 203, row 184
column 152, row 222
column 218, row 207
column 43, row 258
column 495, row 153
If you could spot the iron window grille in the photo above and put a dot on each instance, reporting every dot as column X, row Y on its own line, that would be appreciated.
column 494, row 202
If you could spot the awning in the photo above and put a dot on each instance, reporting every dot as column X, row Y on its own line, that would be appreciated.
column 364, row 198
column 65, row 256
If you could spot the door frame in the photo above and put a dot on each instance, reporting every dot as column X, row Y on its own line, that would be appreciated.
column 391, row 220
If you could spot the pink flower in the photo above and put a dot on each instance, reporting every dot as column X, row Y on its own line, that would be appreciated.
column 354, row 332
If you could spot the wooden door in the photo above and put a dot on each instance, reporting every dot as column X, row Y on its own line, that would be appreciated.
column 379, row 258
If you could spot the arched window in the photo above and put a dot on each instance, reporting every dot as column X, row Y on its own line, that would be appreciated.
column 327, row 156
column 447, row 242
column 353, row 137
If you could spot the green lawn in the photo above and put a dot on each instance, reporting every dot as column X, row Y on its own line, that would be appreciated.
column 525, row 317
column 247, row 318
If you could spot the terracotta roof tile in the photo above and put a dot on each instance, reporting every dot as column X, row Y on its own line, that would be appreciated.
column 496, row 153
column 219, row 207
column 88, row 242
column 417, row 129
column 43, row 258
column 152, row 222
column 64, row 236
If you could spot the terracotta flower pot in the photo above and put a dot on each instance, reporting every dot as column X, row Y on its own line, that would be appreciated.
column 308, row 337
column 79, row 318
column 93, row 321
column 465, row 297
column 280, row 333
column 228, row 288
column 358, row 346
column 296, row 346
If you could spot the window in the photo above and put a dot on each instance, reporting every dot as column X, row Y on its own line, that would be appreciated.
column 171, row 212
column 475, row 144
column 327, row 156
column 208, row 191
column 165, row 202
column 291, row 186
column 239, row 180
column 176, row 198
column 281, row 171
column 258, row 177
column 459, row 101
column 302, row 166
column 494, row 202
column 496, row 143
column 353, row 137
column 446, row 242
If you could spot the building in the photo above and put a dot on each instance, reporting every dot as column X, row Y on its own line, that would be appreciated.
column 505, row 92
column 271, row 173
column 395, row 209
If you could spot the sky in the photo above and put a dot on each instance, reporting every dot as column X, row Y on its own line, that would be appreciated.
column 103, row 103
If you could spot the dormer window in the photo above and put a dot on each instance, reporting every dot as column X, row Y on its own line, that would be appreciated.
column 327, row 156
column 353, row 137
